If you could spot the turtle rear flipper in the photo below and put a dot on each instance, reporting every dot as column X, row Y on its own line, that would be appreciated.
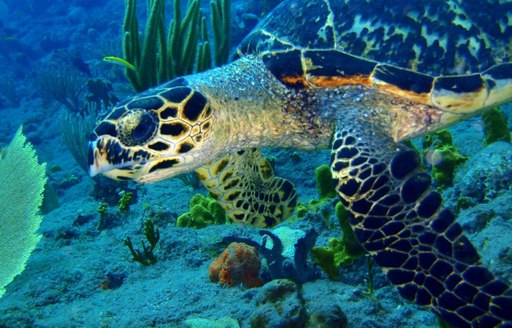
column 245, row 186
column 400, row 221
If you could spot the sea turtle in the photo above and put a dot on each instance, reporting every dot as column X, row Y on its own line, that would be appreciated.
column 358, row 76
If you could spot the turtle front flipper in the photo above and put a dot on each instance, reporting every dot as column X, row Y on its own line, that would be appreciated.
column 399, row 220
column 245, row 186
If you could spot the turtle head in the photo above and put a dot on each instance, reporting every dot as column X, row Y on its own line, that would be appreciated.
column 158, row 134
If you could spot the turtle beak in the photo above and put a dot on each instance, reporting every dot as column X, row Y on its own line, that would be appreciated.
column 94, row 164
column 99, row 161
column 110, row 158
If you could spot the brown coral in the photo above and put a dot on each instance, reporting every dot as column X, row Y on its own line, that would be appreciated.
column 238, row 264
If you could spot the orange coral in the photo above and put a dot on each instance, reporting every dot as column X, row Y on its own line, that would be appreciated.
column 238, row 264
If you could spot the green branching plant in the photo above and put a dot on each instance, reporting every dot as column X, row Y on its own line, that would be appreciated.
column 75, row 128
column 146, row 257
column 370, row 286
column 204, row 50
column 221, row 25
column 157, row 56
column 183, row 38
column 63, row 84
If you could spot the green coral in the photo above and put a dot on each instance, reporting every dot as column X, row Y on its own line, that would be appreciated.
column 324, row 258
column 341, row 250
column 125, row 201
column 204, row 211
column 102, row 209
column 146, row 257
column 301, row 210
column 106, row 220
column 324, row 183
column 495, row 126
column 441, row 153
column 464, row 203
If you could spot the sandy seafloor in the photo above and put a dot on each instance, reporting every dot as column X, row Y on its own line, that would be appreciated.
column 62, row 283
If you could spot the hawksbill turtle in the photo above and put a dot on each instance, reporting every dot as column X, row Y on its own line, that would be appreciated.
column 358, row 76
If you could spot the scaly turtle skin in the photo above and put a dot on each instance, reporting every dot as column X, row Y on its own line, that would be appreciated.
column 358, row 76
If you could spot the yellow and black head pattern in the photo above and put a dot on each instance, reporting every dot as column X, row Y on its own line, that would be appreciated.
column 154, row 136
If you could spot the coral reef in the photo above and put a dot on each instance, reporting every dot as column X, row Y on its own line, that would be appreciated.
column 238, row 264
column 204, row 211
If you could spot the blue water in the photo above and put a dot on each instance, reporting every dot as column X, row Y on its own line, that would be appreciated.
column 81, row 274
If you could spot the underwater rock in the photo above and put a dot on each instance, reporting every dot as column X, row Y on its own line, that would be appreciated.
column 280, row 304
column 486, row 174
column 67, row 234
column 325, row 315
column 488, row 224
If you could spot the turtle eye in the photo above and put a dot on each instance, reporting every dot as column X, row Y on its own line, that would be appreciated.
column 143, row 129
column 137, row 126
